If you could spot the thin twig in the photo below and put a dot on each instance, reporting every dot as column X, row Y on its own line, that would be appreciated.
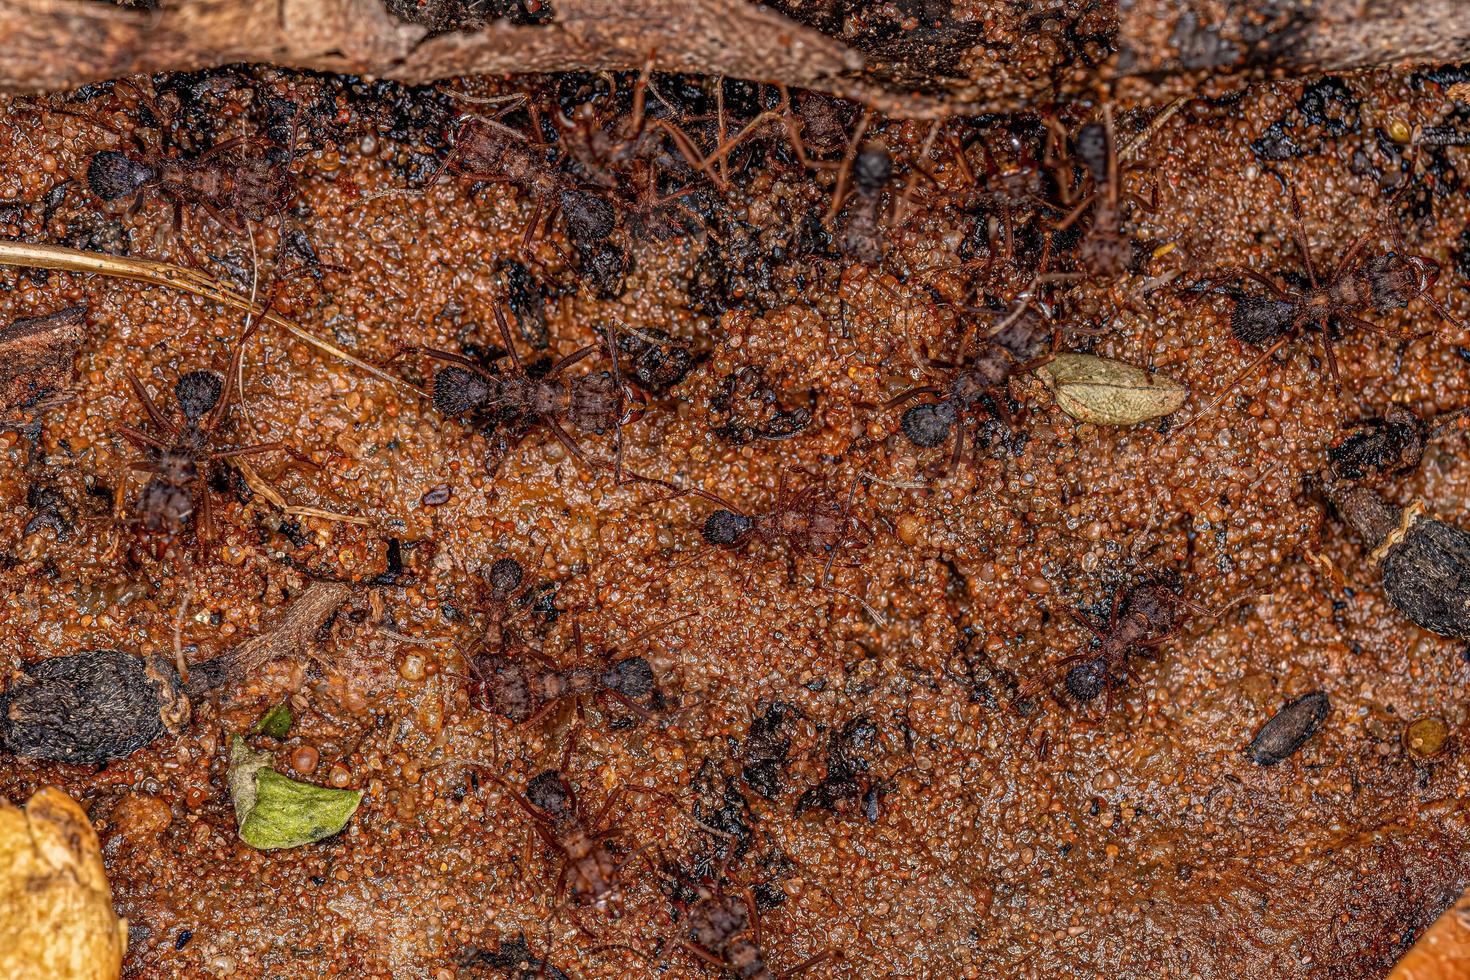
column 155, row 273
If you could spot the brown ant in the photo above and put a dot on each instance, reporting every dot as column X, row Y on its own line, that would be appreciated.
column 862, row 231
column 1143, row 616
column 725, row 933
column 490, row 151
column 1105, row 249
column 524, row 692
column 813, row 522
column 181, row 458
column 590, row 870
column 588, row 403
column 240, row 180
column 1358, row 284
column 1011, row 351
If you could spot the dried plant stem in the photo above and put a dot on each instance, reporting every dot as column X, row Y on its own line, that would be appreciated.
column 156, row 273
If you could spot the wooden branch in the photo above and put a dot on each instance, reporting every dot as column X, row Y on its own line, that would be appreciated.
column 1165, row 48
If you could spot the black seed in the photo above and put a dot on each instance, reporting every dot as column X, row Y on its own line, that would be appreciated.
column 197, row 393
column 86, row 708
column 724, row 527
column 1288, row 729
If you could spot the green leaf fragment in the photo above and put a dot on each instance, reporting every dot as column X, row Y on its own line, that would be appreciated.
column 276, row 722
column 274, row 811
column 1107, row 392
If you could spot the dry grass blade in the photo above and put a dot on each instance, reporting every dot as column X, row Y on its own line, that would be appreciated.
column 172, row 276
column 262, row 486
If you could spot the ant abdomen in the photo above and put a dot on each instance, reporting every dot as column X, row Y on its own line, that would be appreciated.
column 928, row 425
column 632, row 677
column 505, row 577
column 1087, row 680
column 1259, row 320
column 589, row 218
column 113, row 176
column 198, row 392
column 459, row 392
column 725, row 527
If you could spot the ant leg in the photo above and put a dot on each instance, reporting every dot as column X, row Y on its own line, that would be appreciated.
column 612, row 355
column 1346, row 261
column 703, row 955
column 1215, row 402
column 571, row 359
column 1378, row 329
column 1299, row 232
column 444, row 355
column 141, row 439
column 839, row 193
column 1222, row 276
column 150, row 406
column 1052, row 670
column 811, row 961
column 204, row 530
column 510, row 346
column 912, row 393
column 1087, row 623
column 570, row 445
column 222, row 405
column 752, row 916
column 260, row 447
column 1331, row 359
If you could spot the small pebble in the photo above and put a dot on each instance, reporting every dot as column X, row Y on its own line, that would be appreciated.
column 1425, row 738
column 436, row 496
column 339, row 776
column 412, row 668
column 304, row 759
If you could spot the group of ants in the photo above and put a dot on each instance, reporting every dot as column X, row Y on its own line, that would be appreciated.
column 609, row 165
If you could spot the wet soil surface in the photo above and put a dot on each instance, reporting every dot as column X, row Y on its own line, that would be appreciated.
column 872, row 745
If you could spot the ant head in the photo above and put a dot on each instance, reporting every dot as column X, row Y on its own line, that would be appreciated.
column 589, row 218
column 459, row 392
column 1260, row 320
column 1088, row 679
column 872, row 168
column 197, row 393
column 505, row 577
column 112, row 175
column 1395, row 280
column 725, row 527
column 631, row 676
column 928, row 425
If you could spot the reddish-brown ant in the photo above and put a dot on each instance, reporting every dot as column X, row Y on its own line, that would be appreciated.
column 488, row 150
column 1143, row 616
column 236, row 181
column 181, row 457
column 1379, row 283
column 590, row 870
column 592, row 403
column 520, row 684
column 725, row 933
column 862, row 230
column 1011, row 351
column 1105, row 250
column 813, row 522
